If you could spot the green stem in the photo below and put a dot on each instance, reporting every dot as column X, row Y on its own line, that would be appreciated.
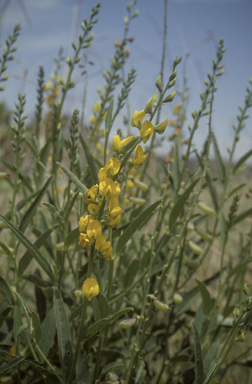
column 48, row 363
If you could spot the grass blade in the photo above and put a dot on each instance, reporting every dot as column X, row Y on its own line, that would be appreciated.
column 73, row 178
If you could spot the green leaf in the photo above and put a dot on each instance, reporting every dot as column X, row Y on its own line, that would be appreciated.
column 11, row 364
column 32, row 209
column 96, row 327
column 72, row 237
column 17, row 322
column 30, row 247
column 5, row 290
column 4, row 314
column 176, row 170
column 55, row 213
column 198, row 357
column 108, row 124
column 109, row 367
column 236, row 189
column 180, row 204
column 239, row 266
column 219, row 162
column 35, row 327
column 211, row 185
column 82, row 370
column 223, row 228
column 100, row 307
column 26, row 259
column 25, row 308
column 73, row 178
column 48, row 332
column 6, row 250
column 90, row 161
column 134, row 225
column 240, row 162
column 207, row 301
column 44, row 154
column 70, row 207
column 241, row 216
column 63, row 331
column 210, row 356
column 131, row 272
column 21, row 175
column 77, row 311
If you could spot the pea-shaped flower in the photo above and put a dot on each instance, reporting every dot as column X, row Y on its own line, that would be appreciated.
column 118, row 144
column 108, row 188
column 90, row 194
column 90, row 288
column 114, row 210
column 137, row 118
column 112, row 166
column 84, row 240
column 104, row 247
column 94, row 230
column 139, row 157
column 84, row 221
column 146, row 131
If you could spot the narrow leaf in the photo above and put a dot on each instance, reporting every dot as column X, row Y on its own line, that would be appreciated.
column 96, row 327
column 70, row 207
column 198, row 357
column 5, row 290
column 223, row 228
column 219, row 162
column 24, row 307
column 206, row 298
column 241, row 216
column 210, row 356
column 63, row 331
column 239, row 266
column 72, row 237
column 100, row 307
column 73, row 178
column 241, row 161
column 17, row 322
column 32, row 209
column 176, row 171
column 180, row 204
column 35, row 327
column 134, row 225
column 236, row 189
column 211, row 185
column 30, row 247
column 131, row 273
column 90, row 161
column 48, row 332
column 108, row 124
column 11, row 364
column 109, row 367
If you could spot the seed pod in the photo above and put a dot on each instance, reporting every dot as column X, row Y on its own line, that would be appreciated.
column 203, row 235
column 194, row 247
column 177, row 298
column 206, row 209
column 161, row 306
column 128, row 323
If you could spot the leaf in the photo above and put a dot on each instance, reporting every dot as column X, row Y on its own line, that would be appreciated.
column 239, row 266
column 207, row 301
column 131, row 273
column 44, row 153
column 5, row 290
column 70, row 207
column 240, row 162
column 26, row 259
column 176, row 171
column 55, row 213
column 90, row 161
column 134, row 225
column 241, row 216
column 223, row 228
column 48, row 332
column 236, row 189
column 31, row 248
column 96, row 327
column 219, row 162
column 72, row 237
column 73, row 178
column 82, row 370
column 180, row 204
column 35, row 327
column 211, row 185
column 32, row 209
column 198, row 357
column 210, row 356
column 25, row 308
column 21, row 175
column 11, row 364
column 6, row 251
column 100, row 307
column 109, row 367
column 63, row 331
column 17, row 322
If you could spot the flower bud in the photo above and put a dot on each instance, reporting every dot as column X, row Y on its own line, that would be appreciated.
column 128, row 322
column 194, row 247
column 190, row 226
column 60, row 246
column 177, row 298
column 169, row 98
column 245, row 289
column 112, row 377
column 241, row 337
column 148, row 107
column 159, row 84
column 78, row 293
column 206, row 209
column 155, row 99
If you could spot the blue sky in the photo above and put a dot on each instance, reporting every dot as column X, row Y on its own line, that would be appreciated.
column 194, row 27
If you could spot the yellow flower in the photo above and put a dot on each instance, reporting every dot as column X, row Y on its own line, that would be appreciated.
column 147, row 131
column 90, row 194
column 102, row 174
column 139, row 157
column 176, row 109
column 112, row 166
column 90, row 288
column 137, row 118
column 119, row 144
column 55, row 91
column 48, row 85
column 112, row 222
column 94, row 230
column 92, row 119
column 104, row 247
column 97, row 107
column 160, row 128
column 108, row 188
column 84, row 222
column 114, row 210
column 93, row 208
column 84, row 241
